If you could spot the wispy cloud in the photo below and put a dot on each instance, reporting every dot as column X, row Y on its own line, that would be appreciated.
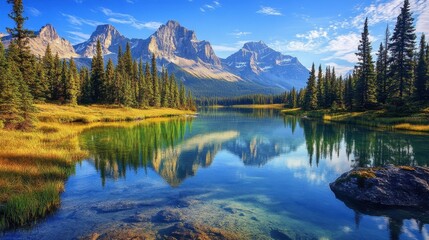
column 310, row 41
column 385, row 12
column 75, row 20
column 34, row 11
column 224, row 50
column 294, row 46
column 128, row 19
column 78, row 37
column 269, row 11
column 130, row 1
column 210, row 6
column 343, row 47
column 239, row 34
column 341, row 69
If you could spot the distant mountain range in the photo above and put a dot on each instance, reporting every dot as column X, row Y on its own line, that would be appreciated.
column 255, row 68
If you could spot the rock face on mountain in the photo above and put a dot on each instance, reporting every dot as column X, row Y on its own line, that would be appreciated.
column 110, row 40
column 388, row 186
column 48, row 35
column 254, row 69
column 256, row 62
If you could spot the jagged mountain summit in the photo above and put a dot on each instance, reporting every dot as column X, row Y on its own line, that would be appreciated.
column 255, row 68
column 110, row 40
column 48, row 35
column 258, row 63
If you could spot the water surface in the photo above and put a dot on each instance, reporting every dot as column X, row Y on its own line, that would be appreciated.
column 251, row 172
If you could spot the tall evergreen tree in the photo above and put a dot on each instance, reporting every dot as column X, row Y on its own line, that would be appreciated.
column 365, row 85
column 97, row 75
column 110, row 88
column 320, row 88
column 422, row 72
column 156, row 96
column 310, row 100
column 48, row 68
column 24, row 62
column 71, row 92
column 401, row 53
column 9, row 92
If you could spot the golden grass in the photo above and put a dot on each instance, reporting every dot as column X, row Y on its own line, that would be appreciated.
column 260, row 106
column 100, row 113
column 412, row 127
column 32, row 164
column 289, row 110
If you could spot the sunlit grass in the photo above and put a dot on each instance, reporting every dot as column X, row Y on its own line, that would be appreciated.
column 34, row 165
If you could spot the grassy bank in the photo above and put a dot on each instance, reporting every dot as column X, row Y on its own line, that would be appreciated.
column 34, row 165
column 416, row 121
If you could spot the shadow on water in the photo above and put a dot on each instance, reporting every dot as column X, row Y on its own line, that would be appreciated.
column 396, row 216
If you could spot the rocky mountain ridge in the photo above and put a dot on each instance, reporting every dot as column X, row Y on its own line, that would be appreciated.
column 255, row 68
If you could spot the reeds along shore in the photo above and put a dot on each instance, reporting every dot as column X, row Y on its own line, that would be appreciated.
column 34, row 165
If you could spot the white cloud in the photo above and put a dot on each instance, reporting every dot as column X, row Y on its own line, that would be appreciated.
column 340, row 69
column 239, row 34
column 314, row 34
column 343, row 47
column 128, row 19
column 294, row 46
column 386, row 11
column 312, row 41
column 269, row 11
column 224, row 48
column 78, row 37
column 75, row 20
column 422, row 24
column 130, row 1
column 34, row 11
column 209, row 7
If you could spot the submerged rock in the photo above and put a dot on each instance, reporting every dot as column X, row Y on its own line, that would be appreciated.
column 389, row 186
column 167, row 216
column 195, row 231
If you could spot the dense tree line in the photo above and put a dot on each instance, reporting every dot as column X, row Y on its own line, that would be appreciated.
column 400, row 75
column 241, row 100
column 25, row 78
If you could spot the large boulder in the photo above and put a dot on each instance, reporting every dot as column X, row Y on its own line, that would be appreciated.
column 401, row 186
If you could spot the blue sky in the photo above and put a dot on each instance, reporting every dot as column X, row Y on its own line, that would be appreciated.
column 325, row 32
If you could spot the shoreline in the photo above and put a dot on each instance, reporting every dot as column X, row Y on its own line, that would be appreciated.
column 415, row 123
column 35, row 165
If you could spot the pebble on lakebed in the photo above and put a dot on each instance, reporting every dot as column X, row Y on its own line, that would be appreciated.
column 401, row 186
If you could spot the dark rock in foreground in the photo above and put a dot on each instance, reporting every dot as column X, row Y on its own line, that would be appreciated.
column 387, row 186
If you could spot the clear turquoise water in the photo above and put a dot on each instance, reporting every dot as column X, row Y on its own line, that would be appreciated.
column 250, row 172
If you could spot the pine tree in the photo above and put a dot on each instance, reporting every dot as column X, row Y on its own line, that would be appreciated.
column 71, row 86
column 24, row 62
column 148, row 88
column 9, row 93
column 97, row 75
column 382, row 66
column 142, row 93
column 310, row 100
column 109, row 83
column 56, row 79
column 401, row 53
column 182, row 96
column 39, row 85
column 422, row 72
column 156, row 96
column 320, row 88
column 63, row 85
column 86, row 92
column 365, row 85
column 48, row 69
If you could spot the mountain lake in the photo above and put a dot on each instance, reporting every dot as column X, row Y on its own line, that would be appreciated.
column 228, row 173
